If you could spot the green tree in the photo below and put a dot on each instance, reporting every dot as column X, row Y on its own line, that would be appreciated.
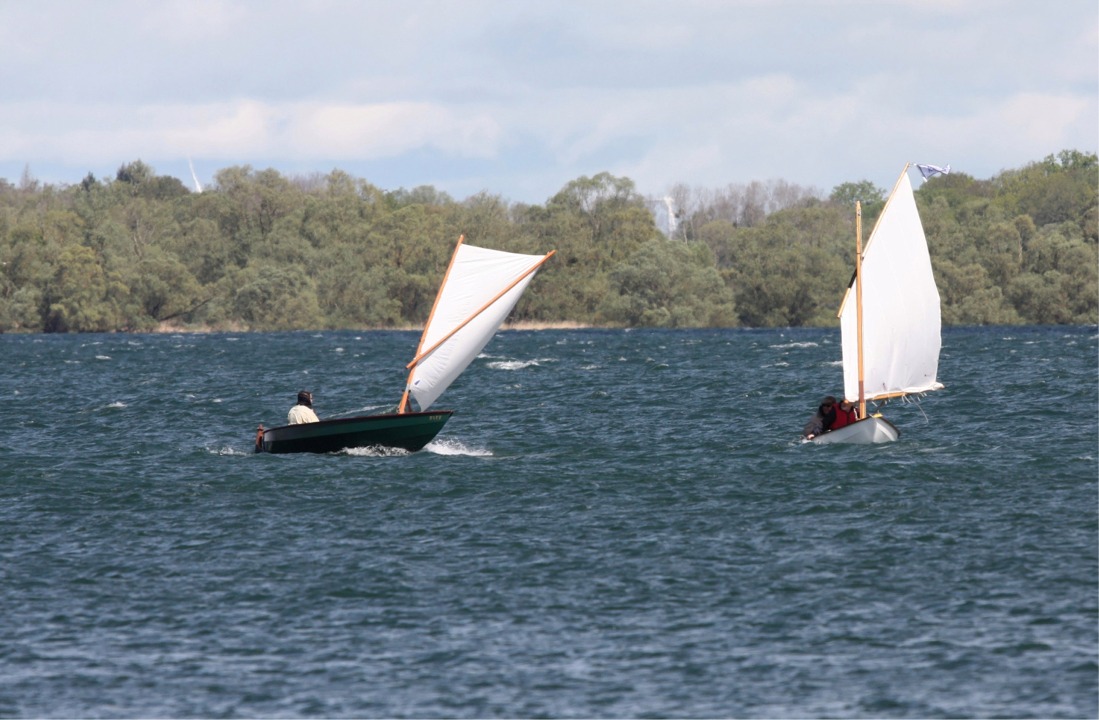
column 80, row 296
column 162, row 288
column 275, row 298
column 864, row 191
column 669, row 284
column 258, row 249
column 969, row 297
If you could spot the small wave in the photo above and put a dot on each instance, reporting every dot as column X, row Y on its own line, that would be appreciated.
column 454, row 447
column 512, row 364
column 102, row 357
column 787, row 346
column 117, row 404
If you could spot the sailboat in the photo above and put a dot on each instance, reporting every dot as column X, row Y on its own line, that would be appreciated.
column 890, row 318
column 479, row 290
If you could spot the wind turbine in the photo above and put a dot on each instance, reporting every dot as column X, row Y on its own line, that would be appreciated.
column 198, row 185
column 670, row 205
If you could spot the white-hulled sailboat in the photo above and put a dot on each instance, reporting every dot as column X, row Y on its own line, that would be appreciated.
column 478, row 291
column 891, row 323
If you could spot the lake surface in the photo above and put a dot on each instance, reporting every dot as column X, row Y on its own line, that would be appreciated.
column 613, row 524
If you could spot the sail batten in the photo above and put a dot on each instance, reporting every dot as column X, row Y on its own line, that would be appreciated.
column 900, row 307
column 480, row 289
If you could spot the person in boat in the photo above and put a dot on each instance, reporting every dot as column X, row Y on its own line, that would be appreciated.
column 845, row 414
column 822, row 420
column 303, row 411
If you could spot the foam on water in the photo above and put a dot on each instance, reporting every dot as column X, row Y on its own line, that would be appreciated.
column 374, row 451
column 449, row 446
column 512, row 364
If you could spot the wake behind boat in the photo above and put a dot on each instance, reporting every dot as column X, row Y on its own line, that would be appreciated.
column 891, row 325
column 478, row 291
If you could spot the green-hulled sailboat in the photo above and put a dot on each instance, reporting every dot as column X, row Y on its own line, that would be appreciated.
column 478, row 291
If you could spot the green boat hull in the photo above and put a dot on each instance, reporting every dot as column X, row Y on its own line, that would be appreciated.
column 407, row 431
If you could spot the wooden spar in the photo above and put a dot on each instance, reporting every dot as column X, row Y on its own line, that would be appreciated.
column 421, row 355
column 858, row 303
column 402, row 407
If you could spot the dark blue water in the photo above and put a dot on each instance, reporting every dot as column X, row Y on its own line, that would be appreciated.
column 613, row 524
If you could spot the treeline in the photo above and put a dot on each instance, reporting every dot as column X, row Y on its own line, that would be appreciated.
column 261, row 251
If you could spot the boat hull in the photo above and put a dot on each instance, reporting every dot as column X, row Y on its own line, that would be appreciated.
column 407, row 431
column 868, row 431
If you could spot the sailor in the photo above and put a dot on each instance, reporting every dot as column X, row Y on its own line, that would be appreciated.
column 845, row 414
column 303, row 411
column 822, row 420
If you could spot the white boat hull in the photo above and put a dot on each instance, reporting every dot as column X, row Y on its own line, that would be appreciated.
column 869, row 431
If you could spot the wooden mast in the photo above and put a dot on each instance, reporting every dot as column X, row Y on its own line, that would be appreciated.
column 858, row 304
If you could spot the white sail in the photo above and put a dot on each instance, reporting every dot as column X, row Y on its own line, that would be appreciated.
column 480, row 289
column 901, row 315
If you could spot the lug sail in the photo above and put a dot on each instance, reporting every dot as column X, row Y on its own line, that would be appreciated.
column 901, row 314
column 480, row 288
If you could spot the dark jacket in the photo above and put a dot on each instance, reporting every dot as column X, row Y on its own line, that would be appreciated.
column 821, row 422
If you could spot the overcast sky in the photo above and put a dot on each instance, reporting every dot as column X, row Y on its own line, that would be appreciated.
column 518, row 97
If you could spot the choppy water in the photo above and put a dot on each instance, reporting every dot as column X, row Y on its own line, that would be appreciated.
column 613, row 524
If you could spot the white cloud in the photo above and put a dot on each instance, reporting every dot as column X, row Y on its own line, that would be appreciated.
column 387, row 130
column 522, row 97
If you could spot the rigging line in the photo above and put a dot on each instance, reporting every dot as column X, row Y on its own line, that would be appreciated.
column 925, row 418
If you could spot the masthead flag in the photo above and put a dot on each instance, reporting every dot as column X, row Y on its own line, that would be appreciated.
column 933, row 170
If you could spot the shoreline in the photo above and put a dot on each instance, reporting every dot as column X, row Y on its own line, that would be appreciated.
column 169, row 328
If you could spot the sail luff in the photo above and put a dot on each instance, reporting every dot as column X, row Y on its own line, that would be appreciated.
column 888, row 202
column 873, row 232
column 403, row 405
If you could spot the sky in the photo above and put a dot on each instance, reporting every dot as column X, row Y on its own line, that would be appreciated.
column 517, row 98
